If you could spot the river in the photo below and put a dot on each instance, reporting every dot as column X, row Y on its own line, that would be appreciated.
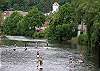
column 56, row 57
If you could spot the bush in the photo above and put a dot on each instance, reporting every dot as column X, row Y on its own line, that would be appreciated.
column 10, row 24
column 60, row 33
column 39, row 35
column 35, row 18
column 83, row 39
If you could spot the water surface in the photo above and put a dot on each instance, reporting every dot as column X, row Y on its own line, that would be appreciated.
column 56, row 57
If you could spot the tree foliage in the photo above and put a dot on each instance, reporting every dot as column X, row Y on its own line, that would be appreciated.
column 1, row 17
column 18, row 4
column 61, row 26
column 1, row 21
column 16, row 24
column 60, row 33
column 35, row 18
column 10, row 24
column 87, row 11
column 25, row 5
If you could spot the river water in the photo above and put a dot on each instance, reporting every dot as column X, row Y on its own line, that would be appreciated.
column 56, row 57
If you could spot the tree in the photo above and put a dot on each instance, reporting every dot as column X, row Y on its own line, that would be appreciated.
column 60, row 33
column 3, row 5
column 10, row 24
column 45, row 6
column 35, row 18
column 18, row 4
column 62, row 26
column 2, row 1
column 1, row 21
column 1, row 17
column 26, row 27
column 25, row 5
column 87, row 12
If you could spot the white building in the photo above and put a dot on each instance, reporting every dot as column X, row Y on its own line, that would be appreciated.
column 55, row 8
column 81, row 28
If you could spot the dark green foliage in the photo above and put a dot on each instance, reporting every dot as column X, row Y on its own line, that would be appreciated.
column 95, row 34
column 83, row 39
column 10, row 24
column 61, row 26
column 1, row 17
column 25, row 26
column 35, row 18
column 39, row 35
column 1, row 20
column 50, row 33
column 64, row 15
column 25, row 5
column 14, row 5
column 45, row 6
column 62, row 32
column 18, row 4
column 87, row 11
column 3, row 5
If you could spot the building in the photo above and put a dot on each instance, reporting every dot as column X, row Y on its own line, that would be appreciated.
column 55, row 8
column 8, row 13
column 81, row 28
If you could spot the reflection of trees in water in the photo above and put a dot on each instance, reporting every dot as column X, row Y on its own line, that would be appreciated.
column 90, row 58
column 97, row 52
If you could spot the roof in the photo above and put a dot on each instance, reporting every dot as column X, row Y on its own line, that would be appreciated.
column 55, row 4
column 8, row 13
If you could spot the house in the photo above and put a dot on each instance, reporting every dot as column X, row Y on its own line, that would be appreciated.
column 8, row 13
column 55, row 8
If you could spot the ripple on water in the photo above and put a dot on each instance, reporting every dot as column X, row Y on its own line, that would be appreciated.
column 54, row 60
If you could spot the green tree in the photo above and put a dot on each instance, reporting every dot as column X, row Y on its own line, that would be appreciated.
column 18, row 4
column 10, row 24
column 1, row 21
column 25, row 5
column 45, row 6
column 87, row 11
column 26, row 27
column 60, row 33
column 3, row 5
column 62, row 26
column 35, row 18
column 1, row 17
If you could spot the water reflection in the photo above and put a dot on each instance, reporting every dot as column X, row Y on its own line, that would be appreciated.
column 57, row 57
